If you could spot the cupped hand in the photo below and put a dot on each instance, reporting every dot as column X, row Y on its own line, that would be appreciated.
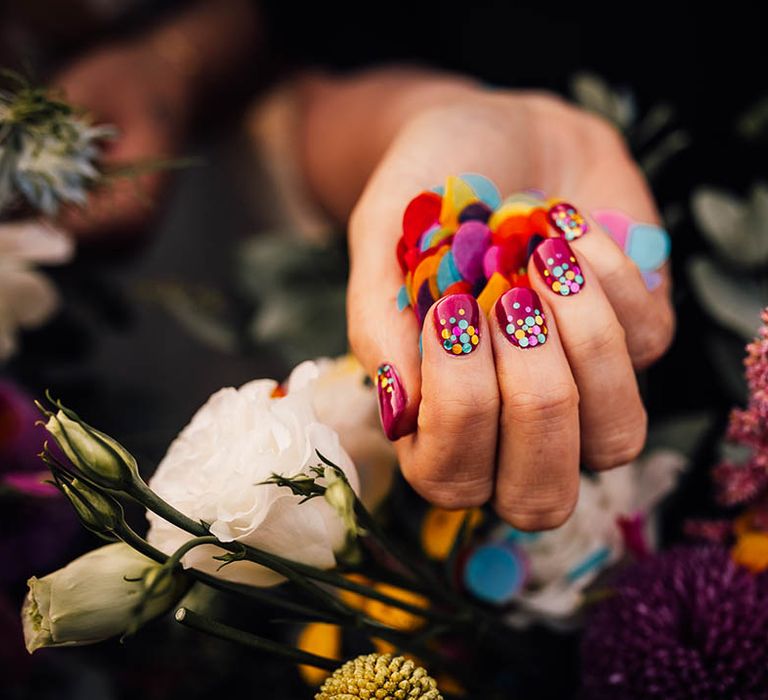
column 503, row 422
column 126, row 85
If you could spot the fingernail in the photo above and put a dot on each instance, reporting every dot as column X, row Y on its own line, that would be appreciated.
column 456, row 321
column 558, row 267
column 521, row 318
column 567, row 221
column 392, row 398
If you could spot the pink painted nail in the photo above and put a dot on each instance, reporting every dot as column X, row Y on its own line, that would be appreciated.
column 521, row 318
column 558, row 267
column 456, row 319
column 392, row 399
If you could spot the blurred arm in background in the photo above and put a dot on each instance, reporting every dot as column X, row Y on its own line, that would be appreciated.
column 150, row 87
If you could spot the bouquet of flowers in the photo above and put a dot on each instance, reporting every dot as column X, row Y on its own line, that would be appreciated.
column 270, row 493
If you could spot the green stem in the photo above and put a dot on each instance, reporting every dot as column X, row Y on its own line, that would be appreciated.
column 142, row 493
column 293, row 571
column 131, row 538
column 201, row 623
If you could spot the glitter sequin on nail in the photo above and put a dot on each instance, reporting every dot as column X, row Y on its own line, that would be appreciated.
column 392, row 398
column 521, row 318
column 558, row 267
column 566, row 219
column 456, row 321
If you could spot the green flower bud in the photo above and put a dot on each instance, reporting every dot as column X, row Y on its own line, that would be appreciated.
column 96, row 455
column 98, row 512
column 97, row 596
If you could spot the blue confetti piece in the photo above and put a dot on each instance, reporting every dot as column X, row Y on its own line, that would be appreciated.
column 591, row 563
column 512, row 534
column 495, row 573
column 483, row 188
column 447, row 273
column 428, row 235
column 402, row 299
column 648, row 246
column 439, row 189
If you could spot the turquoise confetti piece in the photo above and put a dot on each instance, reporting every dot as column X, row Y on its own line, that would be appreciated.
column 648, row 246
column 483, row 188
column 447, row 273
column 591, row 563
column 428, row 236
column 512, row 534
column 495, row 573
column 402, row 299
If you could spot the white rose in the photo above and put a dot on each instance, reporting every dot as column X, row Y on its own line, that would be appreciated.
column 344, row 399
column 93, row 598
column 213, row 472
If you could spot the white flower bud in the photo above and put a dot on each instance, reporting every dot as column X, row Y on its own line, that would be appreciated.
column 97, row 596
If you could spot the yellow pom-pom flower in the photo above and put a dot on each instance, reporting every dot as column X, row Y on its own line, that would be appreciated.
column 379, row 676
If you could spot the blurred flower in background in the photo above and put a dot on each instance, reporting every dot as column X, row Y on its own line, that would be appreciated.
column 682, row 624
column 27, row 297
column 31, row 509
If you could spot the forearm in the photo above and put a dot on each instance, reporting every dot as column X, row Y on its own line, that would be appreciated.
column 348, row 123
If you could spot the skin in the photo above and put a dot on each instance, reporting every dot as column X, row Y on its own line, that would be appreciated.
column 149, row 87
column 501, row 424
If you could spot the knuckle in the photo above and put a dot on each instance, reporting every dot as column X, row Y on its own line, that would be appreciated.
column 619, row 446
column 602, row 136
column 543, row 407
column 547, row 102
column 452, row 494
column 604, row 340
column 540, row 517
column 459, row 413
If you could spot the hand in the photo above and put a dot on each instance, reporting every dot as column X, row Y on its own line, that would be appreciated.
column 502, row 422
column 127, row 86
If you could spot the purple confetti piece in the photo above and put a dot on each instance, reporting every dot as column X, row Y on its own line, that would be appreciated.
column 469, row 246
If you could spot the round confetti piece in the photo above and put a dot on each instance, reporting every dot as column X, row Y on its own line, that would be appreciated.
column 495, row 573
column 615, row 222
column 458, row 194
column 485, row 190
column 447, row 273
column 648, row 246
column 469, row 246
column 422, row 213
column 477, row 211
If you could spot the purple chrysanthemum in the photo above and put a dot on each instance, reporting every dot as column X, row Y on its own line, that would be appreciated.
column 688, row 623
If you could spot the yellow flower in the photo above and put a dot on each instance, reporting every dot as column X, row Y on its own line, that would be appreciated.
column 322, row 639
column 376, row 676
column 441, row 527
column 751, row 551
column 401, row 620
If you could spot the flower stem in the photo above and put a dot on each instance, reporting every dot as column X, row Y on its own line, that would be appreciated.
column 201, row 623
column 296, row 572
column 131, row 538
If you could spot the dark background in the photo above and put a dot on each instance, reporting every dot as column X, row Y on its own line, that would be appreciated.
column 137, row 375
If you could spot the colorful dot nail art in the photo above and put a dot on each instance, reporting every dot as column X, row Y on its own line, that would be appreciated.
column 566, row 219
column 392, row 398
column 558, row 267
column 456, row 322
column 521, row 318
